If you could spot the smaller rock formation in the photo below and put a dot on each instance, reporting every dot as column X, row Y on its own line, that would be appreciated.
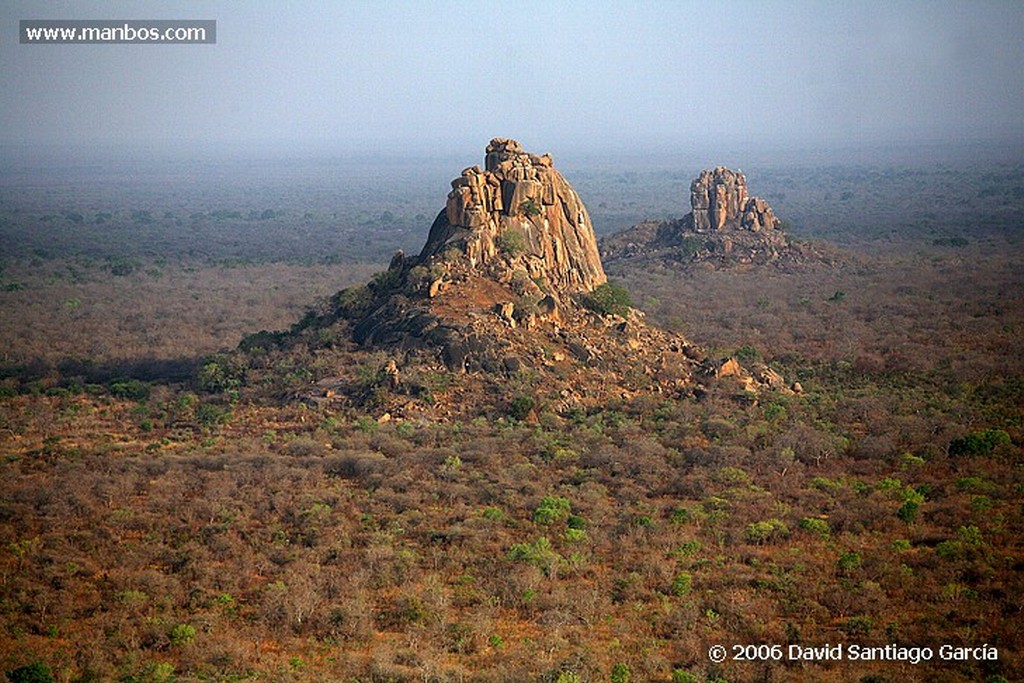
column 719, row 201
column 724, row 227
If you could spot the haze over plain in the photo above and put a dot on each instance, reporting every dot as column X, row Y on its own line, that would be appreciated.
column 361, row 77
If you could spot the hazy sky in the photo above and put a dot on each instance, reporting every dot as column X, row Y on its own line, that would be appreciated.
column 362, row 75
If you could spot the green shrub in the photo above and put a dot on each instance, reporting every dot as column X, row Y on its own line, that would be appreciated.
column 826, row 484
column 908, row 511
column 620, row 673
column 219, row 373
column 511, row 242
column 971, row 484
column 262, row 340
column 687, row 549
column 747, row 354
column 494, row 514
column 367, row 424
column 857, row 626
column 209, row 414
column 162, row 672
column 352, row 301
column 680, row 515
column 530, row 208
column 731, row 476
column 910, row 493
column 576, row 522
column 311, row 318
column 819, row 527
column 680, row 676
column 130, row 389
column 520, row 407
column 121, row 266
column 950, row 550
column 538, row 553
column 36, row 672
column 981, row 442
column 459, row 638
column 576, row 535
column 763, row 532
column 551, row 510
column 889, row 484
column 182, row 634
column 981, row 504
column 691, row 244
column 404, row 612
column 131, row 597
column 386, row 280
column 682, row 584
column 225, row 600
column 911, row 460
column 775, row 412
column 848, row 561
column 608, row 299
column 970, row 536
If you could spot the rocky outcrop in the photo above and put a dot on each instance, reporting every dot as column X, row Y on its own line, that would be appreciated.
column 506, row 296
column 519, row 213
column 719, row 201
column 725, row 227
column 513, row 246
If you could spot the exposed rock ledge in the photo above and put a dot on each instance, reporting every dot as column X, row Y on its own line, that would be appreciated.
column 516, row 212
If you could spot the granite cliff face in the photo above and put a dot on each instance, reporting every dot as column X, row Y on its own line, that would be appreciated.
column 725, row 226
column 518, row 212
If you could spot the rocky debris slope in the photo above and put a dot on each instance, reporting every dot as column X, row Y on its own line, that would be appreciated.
column 507, row 300
column 724, row 227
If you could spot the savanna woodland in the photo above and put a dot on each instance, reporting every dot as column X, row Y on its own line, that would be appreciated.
column 237, row 445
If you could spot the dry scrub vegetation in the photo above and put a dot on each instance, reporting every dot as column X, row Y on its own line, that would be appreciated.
column 918, row 310
column 151, row 314
column 153, row 539
column 151, row 531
